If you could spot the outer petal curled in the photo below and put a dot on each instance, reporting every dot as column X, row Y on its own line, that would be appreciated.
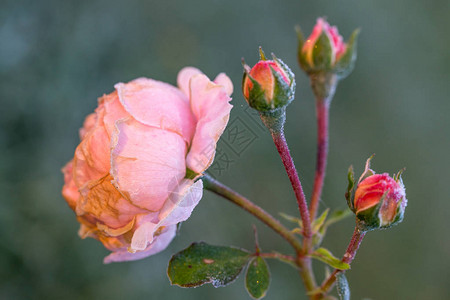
column 159, row 244
column 209, row 103
column 178, row 208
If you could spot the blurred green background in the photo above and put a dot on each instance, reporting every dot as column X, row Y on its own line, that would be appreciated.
column 57, row 57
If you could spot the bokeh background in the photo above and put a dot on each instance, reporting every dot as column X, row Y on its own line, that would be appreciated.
column 57, row 57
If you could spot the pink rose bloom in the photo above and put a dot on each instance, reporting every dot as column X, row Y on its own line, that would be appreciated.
column 338, row 46
column 127, row 181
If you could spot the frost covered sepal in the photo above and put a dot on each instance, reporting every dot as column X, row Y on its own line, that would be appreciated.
column 269, row 85
column 325, row 50
column 379, row 200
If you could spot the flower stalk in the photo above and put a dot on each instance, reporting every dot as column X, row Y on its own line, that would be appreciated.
column 348, row 257
column 283, row 149
column 322, row 112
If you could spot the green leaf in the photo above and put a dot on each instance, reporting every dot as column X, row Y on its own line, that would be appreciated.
column 342, row 287
column 327, row 257
column 317, row 224
column 257, row 279
column 201, row 263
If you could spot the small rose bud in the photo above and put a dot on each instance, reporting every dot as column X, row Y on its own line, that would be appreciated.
column 269, row 85
column 379, row 201
column 325, row 50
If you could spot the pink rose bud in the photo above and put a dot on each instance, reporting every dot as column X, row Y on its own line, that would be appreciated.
column 325, row 50
column 269, row 85
column 128, row 181
column 379, row 200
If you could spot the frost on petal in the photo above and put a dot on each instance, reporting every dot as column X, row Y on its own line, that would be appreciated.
column 157, row 104
column 159, row 244
column 209, row 103
column 183, row 78
column 145, row 161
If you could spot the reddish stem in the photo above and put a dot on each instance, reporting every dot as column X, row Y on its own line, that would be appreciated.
column 277, row 256
column 349, row 255
column 322, row 109
column 283, row 150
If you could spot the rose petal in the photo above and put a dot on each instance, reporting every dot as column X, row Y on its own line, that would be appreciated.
column 146, row 163
column 157, row 104
column 209, row 103
column 177, row 208
column 113, row 111
column 159, row 244
column 88, row 124
column 102, row 201
column 69, row 190
column 184, row 77
column 223, row 80
column 92, row 158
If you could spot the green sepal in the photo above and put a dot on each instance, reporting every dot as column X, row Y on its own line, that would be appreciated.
column 367, row 170
column 201, row 263
column 344, row 66
column 369, row 219
column 398, row 177
column 262, row 55
column 300, row 55
column 257, row 278
column 327, row 257
column 398, row 215
column 256, row 96
column 322, row 54
column 350, row 187
column 283, row 93
column 342, row 287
